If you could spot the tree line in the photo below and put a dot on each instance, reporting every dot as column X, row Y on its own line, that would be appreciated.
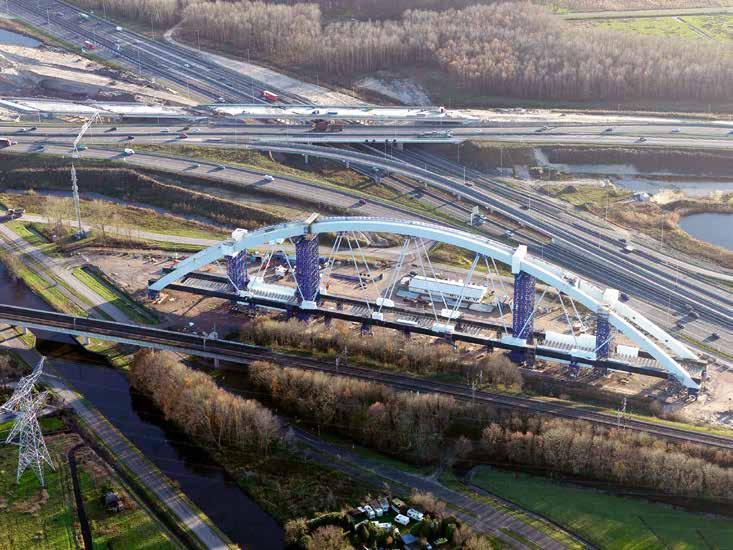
column 194, row 402
column 427, row 428
column 491, row 48
column 385, row 347
column 506, row 48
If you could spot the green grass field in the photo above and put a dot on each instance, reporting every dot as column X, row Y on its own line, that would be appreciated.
column 131, row 528
column 114, row 296
column 121, row 215
column 698, row 27
column 51, row 526
column 610, row 521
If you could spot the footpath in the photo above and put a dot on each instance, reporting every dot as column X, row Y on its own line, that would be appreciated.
column 127, row 455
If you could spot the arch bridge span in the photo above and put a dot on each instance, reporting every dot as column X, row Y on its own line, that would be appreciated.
column 670, row 353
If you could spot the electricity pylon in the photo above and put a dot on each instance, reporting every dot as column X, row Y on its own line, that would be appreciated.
column 26, row 429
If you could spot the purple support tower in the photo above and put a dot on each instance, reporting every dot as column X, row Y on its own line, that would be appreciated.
column 307, row 273
column 603, row 335
column 524, row 292
column 237, row 270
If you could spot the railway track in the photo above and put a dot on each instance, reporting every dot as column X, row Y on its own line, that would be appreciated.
column 246, row 353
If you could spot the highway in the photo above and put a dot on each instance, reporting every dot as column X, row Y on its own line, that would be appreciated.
column 244, row 353
column 666, row 283
column 588, row 247
column 698, row 136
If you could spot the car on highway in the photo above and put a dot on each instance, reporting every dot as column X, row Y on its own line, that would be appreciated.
column 714, row 336
column 268, row 177
column 509, row 233
column 82, row 147
column 628, row 249
column 362, row 202
column 195, row 130
column 32, row 129
column 185, row 129
column 118, row 29
column 22, row 130
column 165, row 131
column 221, row 100
column 220, row 167
column 608, row 130
column 543, row 129
column 641, row 140
column 675, row 130
column 183, row 135
column 195, row 165
column 113, row 129
column 623, row 297
column 187, row 66
column 128, row 152
column 730, row 133
column 41, row 148
column 130, row 137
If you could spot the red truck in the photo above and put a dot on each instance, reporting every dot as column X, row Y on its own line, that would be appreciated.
column 269, row 96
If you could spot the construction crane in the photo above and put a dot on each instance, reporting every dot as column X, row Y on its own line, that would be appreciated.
column 74, row 184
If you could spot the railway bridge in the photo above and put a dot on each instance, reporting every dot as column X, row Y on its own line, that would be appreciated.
column 532, row 277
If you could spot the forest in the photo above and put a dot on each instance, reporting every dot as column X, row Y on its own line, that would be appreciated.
column 502, row 48
column 427, row 428
column 505, row 49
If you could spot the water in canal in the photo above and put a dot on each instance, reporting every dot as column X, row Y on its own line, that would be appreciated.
column 712, row 227
column 16, row 39
column 206, row 484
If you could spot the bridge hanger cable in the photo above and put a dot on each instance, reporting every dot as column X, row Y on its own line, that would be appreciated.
column 291, row 269
column 366, row 264
column 496, row 295
column 567, row 318
column 466, row 282
column 362, row 286
column 501, row 283
column 392, row 283
column 583, row 329
column 332, row 259
column 432, row 271
column 430, row 294
column 530, row 317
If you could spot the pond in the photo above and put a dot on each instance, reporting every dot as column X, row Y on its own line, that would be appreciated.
column 712, row 227
column 17, row 39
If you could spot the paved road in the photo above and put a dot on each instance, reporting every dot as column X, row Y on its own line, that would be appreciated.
column 672, row 134
column 48, row 265
column 131, row 232
column 628, row 14
column 586, row 246
column 478, row 513
column 124, row 451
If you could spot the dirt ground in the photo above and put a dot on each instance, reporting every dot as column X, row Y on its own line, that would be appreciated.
column 51, row 72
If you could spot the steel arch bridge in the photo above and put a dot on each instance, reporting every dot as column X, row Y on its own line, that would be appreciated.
column 604, row 304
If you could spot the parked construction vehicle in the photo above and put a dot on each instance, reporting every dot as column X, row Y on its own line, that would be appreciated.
column 321, row 125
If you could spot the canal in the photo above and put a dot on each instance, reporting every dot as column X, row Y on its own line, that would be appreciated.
column 213, row 490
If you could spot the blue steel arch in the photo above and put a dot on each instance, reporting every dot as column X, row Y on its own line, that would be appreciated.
column 643, row 332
